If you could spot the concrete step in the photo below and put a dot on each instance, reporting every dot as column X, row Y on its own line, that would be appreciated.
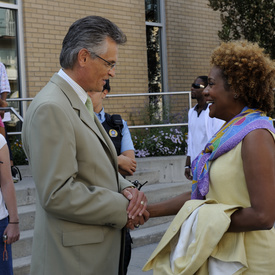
column 21, row 266
column 156, row 221
column 142, row 175
column 140, row 255
column 25, row 191
column 26, row 216
column 23, row 247
column 163, row 191
column 25, row 170
column 144, row 236
column 170, row 168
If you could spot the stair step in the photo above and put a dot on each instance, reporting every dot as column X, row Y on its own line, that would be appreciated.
column 144, row 236
column 170, row 168
column 25, row 191
column 26, row 216
column 23, row 247
column 150, row 175
column 156, row 221
column 21, row 266
column 163, row 191
column 25, row 170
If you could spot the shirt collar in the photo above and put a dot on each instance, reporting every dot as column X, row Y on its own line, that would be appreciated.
column 101, row 115
column 203, row 109
column 77, row 88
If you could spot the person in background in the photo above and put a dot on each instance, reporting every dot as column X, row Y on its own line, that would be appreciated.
column 9, row 221
column 5, row 116
column 4, row 91
column 118, row 131
column 233, row 190
column 83, row 203
column 201, row 127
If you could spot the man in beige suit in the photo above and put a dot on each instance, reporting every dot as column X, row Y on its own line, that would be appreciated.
column 83, row 204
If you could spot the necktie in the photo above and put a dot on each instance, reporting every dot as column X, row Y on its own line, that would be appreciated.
column 89, row 106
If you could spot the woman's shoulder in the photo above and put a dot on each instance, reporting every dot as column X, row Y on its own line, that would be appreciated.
column 259, row 140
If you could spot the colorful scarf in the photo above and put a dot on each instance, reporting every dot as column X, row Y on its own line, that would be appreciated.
column 223, row 141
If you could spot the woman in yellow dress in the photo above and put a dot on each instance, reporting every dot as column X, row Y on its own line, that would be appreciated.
column 235, row 172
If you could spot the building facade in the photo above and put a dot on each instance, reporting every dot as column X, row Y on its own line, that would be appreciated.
column 185, row 33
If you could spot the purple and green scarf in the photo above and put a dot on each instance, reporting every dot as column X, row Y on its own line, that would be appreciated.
column 223, row 141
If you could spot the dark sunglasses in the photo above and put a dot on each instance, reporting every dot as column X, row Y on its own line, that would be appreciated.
column 198, row 86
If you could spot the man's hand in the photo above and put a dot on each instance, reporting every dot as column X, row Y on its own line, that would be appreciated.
column 139, row 220
column 138, row 202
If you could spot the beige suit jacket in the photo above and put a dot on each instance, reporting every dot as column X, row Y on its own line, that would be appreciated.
column 80, row 212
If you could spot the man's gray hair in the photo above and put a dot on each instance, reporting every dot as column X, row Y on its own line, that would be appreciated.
column 90, row 33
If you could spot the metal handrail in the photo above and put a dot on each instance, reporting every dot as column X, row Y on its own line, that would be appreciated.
column 16, row 114
column 155, row 94
column 12, row 110
column 20, row 99
column 112, row 95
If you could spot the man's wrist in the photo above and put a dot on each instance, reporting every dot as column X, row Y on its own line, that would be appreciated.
column 187, row 166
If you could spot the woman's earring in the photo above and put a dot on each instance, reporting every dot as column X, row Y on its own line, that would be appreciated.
column 236, row 96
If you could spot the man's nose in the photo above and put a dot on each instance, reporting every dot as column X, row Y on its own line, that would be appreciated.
column 112, row 72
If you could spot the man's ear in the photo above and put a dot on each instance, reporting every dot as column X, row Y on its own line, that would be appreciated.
column 82, row 57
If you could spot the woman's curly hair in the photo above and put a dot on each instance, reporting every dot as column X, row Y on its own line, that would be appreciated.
column 248, row 71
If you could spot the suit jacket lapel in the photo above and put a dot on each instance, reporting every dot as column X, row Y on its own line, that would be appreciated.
column 85, row 116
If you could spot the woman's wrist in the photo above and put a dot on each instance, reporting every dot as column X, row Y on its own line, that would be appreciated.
column 13, row 222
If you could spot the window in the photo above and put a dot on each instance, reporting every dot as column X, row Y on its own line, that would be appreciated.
column 11, row 1
column 8, row 46
column 11, row 54
column 156, row 53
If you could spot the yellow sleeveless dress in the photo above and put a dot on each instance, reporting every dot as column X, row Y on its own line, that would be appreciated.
column 228, row 186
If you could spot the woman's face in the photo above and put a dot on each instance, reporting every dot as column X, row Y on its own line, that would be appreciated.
column 221, row 101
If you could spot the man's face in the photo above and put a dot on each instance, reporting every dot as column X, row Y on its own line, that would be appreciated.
column 96, row 70
column 196, row 93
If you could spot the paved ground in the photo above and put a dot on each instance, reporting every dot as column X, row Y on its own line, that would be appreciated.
column 140, row 255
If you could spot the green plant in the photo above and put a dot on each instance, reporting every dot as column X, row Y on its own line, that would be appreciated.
column 163, row 141
column 160, row 141
column 19, row 157
column 253, row 20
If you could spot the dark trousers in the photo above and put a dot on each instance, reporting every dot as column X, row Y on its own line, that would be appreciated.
column 5, row 265
column 128, row 250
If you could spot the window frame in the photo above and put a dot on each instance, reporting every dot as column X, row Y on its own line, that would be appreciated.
column 18, row 8
column 163, row 43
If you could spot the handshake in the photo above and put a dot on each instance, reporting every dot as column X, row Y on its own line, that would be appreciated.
column 137, row 213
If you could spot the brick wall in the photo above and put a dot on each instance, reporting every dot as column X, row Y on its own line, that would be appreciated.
column 191, row 35
column 46, row 23
column 192, row 29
